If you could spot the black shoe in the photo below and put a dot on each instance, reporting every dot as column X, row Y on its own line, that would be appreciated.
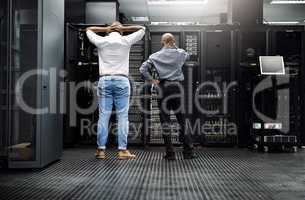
column 169, row 156
column 189, row 156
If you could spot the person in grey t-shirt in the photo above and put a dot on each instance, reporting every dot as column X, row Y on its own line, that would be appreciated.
column 168, row 63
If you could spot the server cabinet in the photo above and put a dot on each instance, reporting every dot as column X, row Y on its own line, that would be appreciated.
column 217, row 87
column 137, row 123
column 192, row 44
column 189, row 39
column 289, row 43
column 82, row 64
column 3, row 80
column 286, row 41
column 251, row 43
column 212, row 50
column 270, row 102
column 33, row 45
column 302, row 136
column 154, row 135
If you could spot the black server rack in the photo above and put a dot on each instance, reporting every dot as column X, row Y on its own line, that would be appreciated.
column 3, row 81
column 189, row 40
column 192, row 44
column 136, row 115
column 270, row 105
column 302, row 136
column 212, row 60
column 217, row 86
column 154, row 135
column 82, row 65
column 281, row 103
column 289, row 43
column 251, row 44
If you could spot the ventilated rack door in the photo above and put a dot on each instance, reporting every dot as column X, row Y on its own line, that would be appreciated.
column 136, row 115
column 155, row 133
column 218, row 102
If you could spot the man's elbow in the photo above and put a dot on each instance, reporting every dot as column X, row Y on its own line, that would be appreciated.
column 187, row 56
column 88, row 29
column 143, row 77
column 142, row 70
column 142, row 33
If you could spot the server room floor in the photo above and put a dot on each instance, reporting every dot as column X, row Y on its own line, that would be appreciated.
column 216, row 174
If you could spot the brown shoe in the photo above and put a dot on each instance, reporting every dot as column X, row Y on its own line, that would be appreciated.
column 100, row 154
column 125, row 155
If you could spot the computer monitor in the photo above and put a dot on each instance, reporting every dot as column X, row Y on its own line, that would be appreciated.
column 272, row 65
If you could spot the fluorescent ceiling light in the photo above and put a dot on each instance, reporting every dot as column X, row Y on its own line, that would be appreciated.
column 282, row 22
column 140, row 19
column 288, row 2
column 176, row 2
column 175, row 23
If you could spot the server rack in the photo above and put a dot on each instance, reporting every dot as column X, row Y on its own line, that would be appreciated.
column 285, row 93
column 261, row 41
column 251, row 43
column 218, row 71
column 288, row 41
column 137, row 124
column 154, row 135
column 192, row 40
column 205, row 44
column 302, row 137
column 3, row 81
column 30, row 139
column 82, row 65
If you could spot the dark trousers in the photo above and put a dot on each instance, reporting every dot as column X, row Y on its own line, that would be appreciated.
column 170, row 94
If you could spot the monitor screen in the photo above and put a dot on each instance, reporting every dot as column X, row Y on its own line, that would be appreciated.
column 272, row 65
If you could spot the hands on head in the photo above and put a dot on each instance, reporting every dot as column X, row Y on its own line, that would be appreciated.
column 115, row 27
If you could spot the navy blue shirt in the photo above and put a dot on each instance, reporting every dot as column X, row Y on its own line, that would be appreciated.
column 168, row 63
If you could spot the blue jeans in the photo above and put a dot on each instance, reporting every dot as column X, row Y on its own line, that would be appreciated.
column 113, row 89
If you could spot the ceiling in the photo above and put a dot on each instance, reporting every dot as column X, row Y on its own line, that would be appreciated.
column 208, row 13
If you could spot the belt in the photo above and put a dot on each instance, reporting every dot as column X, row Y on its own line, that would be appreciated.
column 171, row 81
column 124, row 75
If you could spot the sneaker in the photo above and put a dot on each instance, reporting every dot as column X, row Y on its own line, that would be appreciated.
column 169, row 156
column 100, row 154
column 125, row 155
column 189, row 156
